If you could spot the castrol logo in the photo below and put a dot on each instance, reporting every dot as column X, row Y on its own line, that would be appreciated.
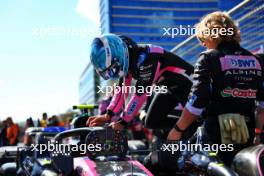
column 239, row 93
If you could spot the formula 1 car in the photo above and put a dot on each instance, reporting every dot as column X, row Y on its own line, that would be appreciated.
column 8, row 154
column 30, row 133
column 13, row 156
column 250, row 161
column 188, row 163
column 105, row 153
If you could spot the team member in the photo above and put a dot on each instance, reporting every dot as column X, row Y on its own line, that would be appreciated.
column 259, row 138
column 44, row 120
column 227, row 81
column 119, row 57
column 12, row 131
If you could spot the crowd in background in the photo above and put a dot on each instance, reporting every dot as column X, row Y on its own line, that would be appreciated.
column 10, row 132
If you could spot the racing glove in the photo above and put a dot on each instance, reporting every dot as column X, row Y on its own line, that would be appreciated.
column 233, row 129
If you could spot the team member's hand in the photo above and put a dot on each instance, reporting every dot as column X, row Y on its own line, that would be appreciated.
column 117, row 125
column 233, row 129
column 174, row 135
column 99, row 120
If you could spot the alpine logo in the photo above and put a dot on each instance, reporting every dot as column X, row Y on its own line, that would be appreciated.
column 239, row 93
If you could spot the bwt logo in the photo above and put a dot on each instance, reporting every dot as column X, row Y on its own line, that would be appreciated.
column 243, row 63
column 239, row 62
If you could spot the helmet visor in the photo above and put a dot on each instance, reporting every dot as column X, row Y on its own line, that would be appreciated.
column 111, row 72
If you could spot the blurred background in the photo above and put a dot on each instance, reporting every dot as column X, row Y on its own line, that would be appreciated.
column 44, row 46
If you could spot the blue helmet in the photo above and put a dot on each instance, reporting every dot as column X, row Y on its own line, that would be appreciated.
column 110, row 57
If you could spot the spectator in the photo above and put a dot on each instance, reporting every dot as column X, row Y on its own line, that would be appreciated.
column 12, row 131
column 38, row 123
column 29, row 123
column 43, row 122
column 3, row 130
column 53, row 121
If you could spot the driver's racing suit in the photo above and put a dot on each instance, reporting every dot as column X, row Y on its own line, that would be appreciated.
column 228, row 79
column 152, row 65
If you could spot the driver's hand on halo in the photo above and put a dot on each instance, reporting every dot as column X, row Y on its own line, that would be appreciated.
column 174, row 135
column 99, row 120
column 116, row 125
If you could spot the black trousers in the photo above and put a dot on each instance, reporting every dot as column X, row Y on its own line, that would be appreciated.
column 160, row 106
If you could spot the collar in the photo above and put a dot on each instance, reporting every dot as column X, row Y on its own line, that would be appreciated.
column 228, row 44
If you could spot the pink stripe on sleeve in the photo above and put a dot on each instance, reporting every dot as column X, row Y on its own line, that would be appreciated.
column 137, row 101
column 118, row 100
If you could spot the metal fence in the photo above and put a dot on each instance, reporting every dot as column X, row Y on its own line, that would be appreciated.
column 249, row 15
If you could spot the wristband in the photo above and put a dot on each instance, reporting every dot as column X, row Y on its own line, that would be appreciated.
column 258, row 131
column 178, row 128
column 124, row 123
column 110, row 113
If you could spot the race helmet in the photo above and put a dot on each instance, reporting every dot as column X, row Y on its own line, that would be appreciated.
column 110, row 56
column 131, row 45
column 250, row 161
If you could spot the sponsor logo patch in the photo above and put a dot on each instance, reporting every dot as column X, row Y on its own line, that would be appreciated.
column 141, row 59
column 192, row 99
column 132, row 108
column 239, row 93
column 239, row 62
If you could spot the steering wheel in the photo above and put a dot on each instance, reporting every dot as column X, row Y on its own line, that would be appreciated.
column 107, row 142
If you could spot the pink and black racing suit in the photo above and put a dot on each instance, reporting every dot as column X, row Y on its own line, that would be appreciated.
column 152, row 65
